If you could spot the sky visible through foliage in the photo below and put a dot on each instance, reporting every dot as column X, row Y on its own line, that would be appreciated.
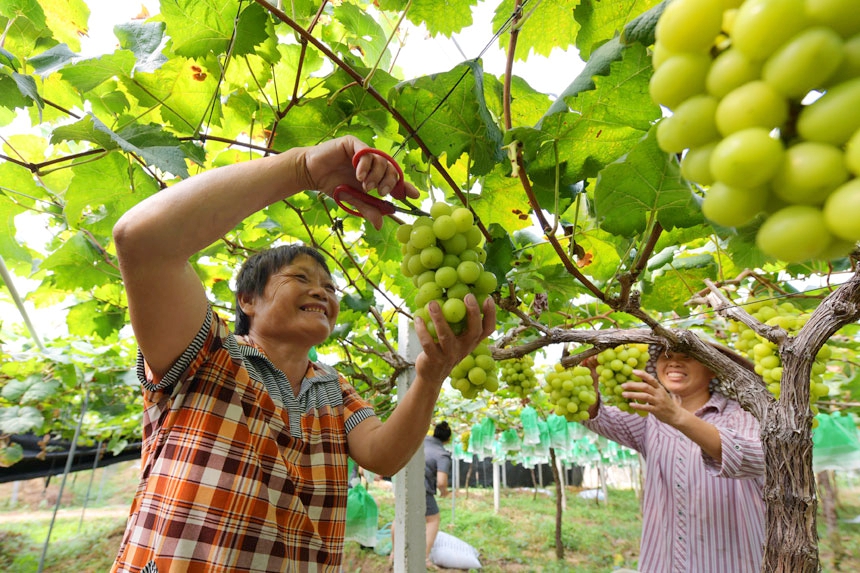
column 427, row 56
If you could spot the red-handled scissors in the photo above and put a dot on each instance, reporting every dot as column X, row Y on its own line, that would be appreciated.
column 344, row 194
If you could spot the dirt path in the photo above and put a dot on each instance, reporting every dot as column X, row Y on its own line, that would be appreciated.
column 45, row 515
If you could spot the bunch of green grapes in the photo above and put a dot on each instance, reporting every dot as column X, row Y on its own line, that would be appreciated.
column 518, row 374
column 615, row 367
column 764, row 98
column 476, row 372
column 765, row 354
column 570, row 391
column 443, row 255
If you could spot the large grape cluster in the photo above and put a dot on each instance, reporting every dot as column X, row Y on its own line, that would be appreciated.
column 442, row 253
column 615, row 367
column 519, row 375
column 765, row 354
column 765, row 101
column 570, row 391
column 475, row 372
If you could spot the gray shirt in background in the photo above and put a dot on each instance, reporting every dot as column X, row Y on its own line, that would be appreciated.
column 436, row 459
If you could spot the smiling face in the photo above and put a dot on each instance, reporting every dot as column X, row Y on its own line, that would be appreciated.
column 299, row 304
column 683, row 375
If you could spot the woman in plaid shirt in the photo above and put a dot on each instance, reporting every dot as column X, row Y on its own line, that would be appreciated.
column 244, row 463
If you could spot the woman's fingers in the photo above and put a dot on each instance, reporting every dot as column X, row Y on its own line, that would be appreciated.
column 376, row 172
column 446, row 349
column 647, row 378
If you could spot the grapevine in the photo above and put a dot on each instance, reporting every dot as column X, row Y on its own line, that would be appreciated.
column 763, row 95
column 765, row 354
column 615, row 367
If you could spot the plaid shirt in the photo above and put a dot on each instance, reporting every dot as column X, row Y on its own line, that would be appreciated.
column 238, row 473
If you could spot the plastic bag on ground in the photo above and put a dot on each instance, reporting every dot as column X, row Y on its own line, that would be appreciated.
column 383, row 540
column 452, row 552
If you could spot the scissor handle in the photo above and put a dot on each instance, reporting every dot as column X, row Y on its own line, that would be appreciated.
column 399, row 190
column 343, row 193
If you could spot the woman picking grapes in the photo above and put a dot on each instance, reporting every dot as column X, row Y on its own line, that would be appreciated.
column 245, row 448
column 703, row 508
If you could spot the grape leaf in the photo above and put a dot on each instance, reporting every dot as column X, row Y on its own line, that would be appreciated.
column 9, row 60
column 20, row 419
column 307, row 125
column 93, row 317
column 641, row 29
column 253, row 29
column 67, row 19
column 544, row 26
column 77, row 265
column 607, row 122
column 359, row 32
column 107, row 100
column 602, row 21
column 10, row 94
column 100, row 192
column 86, row 75
column 30, row 391
column 27, row 86
column 674, row 284
column 184, row 88
column 143, row 39
column 500, row 253
column 10, row 454
column 644, row 183
column 445, row 19
column 158, row 147
column 598, row 64
column 436, row 103
column 199, row 27
column 52, row 60
column 9, row 247
column 24, row 27
column 503, row 201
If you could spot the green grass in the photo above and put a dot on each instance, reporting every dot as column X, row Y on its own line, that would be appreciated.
column 597, row 537
column 92, row 549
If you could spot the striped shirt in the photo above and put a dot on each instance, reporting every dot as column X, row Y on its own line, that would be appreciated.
column 238, row 473
column 698, row 516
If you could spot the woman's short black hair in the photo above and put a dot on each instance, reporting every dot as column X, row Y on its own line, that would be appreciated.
column 442, row 432
column 256, row 271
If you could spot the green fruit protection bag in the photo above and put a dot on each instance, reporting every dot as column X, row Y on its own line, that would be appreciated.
column 362, row 516
column 488, row 433
column 557, row 426
column 529, row 420
column 476, row 440
column 835, row 443
column 511, row 441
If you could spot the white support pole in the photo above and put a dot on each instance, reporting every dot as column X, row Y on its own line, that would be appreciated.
column 601, row 476
column 496, row 487
column 410, row 545
column 455, row 483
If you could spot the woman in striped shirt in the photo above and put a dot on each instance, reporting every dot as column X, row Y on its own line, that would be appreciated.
column 703, row 509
